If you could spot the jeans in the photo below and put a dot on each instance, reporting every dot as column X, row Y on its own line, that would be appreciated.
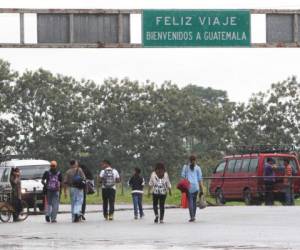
column 53, row 203
column 192, row 199
column 161, row 199
column 76, row 195
column 269, row 198
column 108, row 198
column 288, row 194
column 137, row 199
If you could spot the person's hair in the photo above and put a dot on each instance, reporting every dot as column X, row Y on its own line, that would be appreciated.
column 160, row 166
column 192, row 157
column 286, row 160
column 270, row 160
column 137, row 170
column 82, row 166
column 107, row 162
column 72, row 162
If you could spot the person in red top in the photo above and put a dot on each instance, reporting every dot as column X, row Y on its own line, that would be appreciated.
column 288, row 182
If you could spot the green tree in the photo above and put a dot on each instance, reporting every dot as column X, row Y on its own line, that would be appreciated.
column 271, row 117
column 8, row 133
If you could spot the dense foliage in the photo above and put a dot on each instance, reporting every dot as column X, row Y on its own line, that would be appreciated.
column 132, row 124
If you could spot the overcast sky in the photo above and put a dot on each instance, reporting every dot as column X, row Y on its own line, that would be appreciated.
column 240, row 72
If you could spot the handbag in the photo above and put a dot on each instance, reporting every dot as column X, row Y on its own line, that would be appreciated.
column 184, row 184
column 90, row 189
column 202, row 202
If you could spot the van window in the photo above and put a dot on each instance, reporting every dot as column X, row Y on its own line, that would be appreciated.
column 238, row 165
column 280, row 163
column 5, row 175
column 253, row 165
column 220, row 167
column 231, row 165
column 33, row 172
column 245, row 166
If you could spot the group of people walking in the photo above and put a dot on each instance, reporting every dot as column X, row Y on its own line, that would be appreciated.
column 78, row 180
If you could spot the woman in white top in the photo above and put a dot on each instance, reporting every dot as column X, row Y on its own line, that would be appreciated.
column 160, row 185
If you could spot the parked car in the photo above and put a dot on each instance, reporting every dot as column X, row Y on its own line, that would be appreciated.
column 31, row 177
column 240, row 182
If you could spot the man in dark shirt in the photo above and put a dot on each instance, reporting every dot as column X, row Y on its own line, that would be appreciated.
column 269, row 181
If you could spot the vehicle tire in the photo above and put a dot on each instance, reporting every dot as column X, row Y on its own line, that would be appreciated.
column 220, row 200
column 5, row 213
column 25, row 211
column 247, row 197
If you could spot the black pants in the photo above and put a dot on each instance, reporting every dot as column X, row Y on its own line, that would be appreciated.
column 269, row 197
column 108, row 198
column 83, row 207
column 159, row 199
column 17, row 205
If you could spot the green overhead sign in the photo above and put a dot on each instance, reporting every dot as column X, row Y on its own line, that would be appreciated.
column 196, row 28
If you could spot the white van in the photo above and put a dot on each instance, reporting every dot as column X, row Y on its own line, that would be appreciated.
column 31, row 179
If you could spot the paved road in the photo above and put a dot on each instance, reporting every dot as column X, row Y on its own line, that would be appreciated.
column 216, row 228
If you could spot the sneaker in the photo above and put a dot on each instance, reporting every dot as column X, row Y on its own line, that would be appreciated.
column 192, row 220
column 106, row 217
column 161, row 221
column 142, row 215
column 156, row 219
column 53, row 221
column 110, row 217
column 76, row 218
column 82, row 217
column 135, row 217
column 47, row 218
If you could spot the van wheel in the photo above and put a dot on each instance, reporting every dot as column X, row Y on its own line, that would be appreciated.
column 220, row 200
column 247, row 197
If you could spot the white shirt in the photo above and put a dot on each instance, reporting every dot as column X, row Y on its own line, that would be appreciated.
column 115, row 173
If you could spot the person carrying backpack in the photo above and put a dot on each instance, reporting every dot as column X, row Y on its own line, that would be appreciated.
column 108, row 178
column 159, row 184
column 52, row 180
column 137, row 183
column 75, row 180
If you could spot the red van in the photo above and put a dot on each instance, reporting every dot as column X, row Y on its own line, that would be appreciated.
column 240, row 182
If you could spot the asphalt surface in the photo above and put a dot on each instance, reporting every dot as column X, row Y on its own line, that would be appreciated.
column 216, row 228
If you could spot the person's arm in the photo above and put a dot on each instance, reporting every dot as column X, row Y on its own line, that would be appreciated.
column 183, row 172
column 151, row 184
column 44, row 178
column 168, row 183
column 65, row 184
column 199, row 173
column 118, row 178
column 130, row 181
column 101, row 176
column 143, row 181
column 81, row 173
